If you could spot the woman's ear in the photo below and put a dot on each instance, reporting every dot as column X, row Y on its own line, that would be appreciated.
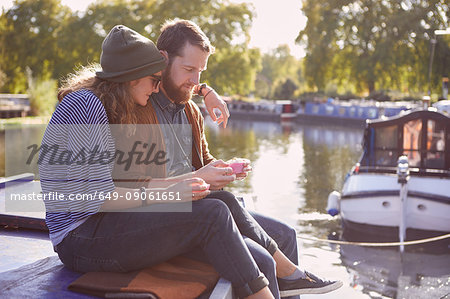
column 133, row 83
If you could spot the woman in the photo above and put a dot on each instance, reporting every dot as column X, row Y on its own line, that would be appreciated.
column 77, row 163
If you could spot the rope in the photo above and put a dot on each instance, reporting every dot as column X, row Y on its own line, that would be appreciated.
column 367, row 244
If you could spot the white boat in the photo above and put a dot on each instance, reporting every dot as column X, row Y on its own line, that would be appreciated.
column 402, row 181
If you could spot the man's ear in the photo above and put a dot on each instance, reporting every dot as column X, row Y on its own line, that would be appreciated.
column 165, row 54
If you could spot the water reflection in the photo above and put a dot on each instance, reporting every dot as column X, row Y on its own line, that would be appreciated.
column 395, row 275
column 14, row 151
column 249, row 140
column 295, row 168
column 308, row 161
column 329, row 154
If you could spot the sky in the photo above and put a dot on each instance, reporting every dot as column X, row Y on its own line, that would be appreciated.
column 276, row 22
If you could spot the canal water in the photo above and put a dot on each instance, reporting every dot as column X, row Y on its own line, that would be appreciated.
column 295, row 167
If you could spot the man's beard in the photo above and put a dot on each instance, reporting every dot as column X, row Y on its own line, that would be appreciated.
column 174, row 92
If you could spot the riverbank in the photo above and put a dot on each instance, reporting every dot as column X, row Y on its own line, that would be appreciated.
column 29, row 120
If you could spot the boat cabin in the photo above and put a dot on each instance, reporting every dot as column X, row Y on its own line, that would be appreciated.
column 422, row 135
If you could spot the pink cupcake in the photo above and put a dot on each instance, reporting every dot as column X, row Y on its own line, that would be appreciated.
column 238, row 165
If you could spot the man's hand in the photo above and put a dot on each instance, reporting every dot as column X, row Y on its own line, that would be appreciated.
column 217, row 174
column 245, row 170
column 213, row 100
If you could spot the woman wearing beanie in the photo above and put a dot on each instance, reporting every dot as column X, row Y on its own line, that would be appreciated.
column 96, row 226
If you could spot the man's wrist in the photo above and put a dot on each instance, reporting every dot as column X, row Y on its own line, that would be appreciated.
column 207, row 93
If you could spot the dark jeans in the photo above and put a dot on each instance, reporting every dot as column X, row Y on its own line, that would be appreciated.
column 126, row 241
column 286, row 238
column 262, row 234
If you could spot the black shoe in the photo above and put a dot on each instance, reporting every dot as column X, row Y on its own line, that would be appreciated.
column 309, row 285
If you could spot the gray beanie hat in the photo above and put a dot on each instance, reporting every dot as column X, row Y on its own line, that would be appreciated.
column 127, row 55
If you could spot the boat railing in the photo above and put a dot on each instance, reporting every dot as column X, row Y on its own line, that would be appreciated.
column 403, row 178
column 413, row 171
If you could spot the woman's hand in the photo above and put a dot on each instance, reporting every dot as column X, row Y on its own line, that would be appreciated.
column 191, row 189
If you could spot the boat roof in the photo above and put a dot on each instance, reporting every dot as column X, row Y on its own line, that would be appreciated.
column 427, row 145
column 430, row 113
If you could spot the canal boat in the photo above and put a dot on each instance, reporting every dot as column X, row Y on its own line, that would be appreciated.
column 401, row 184
column 286, row 109
column 14, row 105
column 263, row 110
column 353, row 112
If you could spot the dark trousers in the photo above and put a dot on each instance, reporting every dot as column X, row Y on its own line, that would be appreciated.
column 125, row 241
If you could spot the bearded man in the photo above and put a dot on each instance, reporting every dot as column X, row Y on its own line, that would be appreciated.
column 271, row 243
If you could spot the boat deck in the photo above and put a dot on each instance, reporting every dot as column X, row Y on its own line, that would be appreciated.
column 29, row 267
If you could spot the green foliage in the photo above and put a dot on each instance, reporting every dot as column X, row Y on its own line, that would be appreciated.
column 29, row 39
column 2, row 78
column 278, row 67
column 286, row 90
column 373, row 44
column 51, row 40
column 43, row 96
column 233, row 70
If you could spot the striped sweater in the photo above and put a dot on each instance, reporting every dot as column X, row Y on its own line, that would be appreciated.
column 70, row 165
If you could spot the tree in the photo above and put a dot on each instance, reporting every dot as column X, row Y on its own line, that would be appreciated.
column 277, row 67
column 374, row 44
column 320, row 40
column 29, row 40
column 233, row 70
column 286, row 90
column 38, row 33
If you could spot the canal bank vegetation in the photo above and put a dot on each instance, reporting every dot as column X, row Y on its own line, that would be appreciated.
column 353, row 48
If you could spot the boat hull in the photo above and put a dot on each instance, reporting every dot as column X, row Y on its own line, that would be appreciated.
column 374, row 199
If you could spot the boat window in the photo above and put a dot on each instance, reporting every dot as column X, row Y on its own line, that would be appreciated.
column 386, row 137
column 386, row 146
column 329, row 109
column 372, row 113
column 386, row 158
column 435, row 145
column 352, row 111
column 412, row 140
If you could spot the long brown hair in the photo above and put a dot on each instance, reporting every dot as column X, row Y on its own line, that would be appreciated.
column 115, row 97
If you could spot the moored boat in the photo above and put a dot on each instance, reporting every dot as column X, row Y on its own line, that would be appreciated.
column 286, row 109
column 353, row 112
column 402, row 181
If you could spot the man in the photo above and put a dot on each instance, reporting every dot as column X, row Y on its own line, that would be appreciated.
column 187, row 50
